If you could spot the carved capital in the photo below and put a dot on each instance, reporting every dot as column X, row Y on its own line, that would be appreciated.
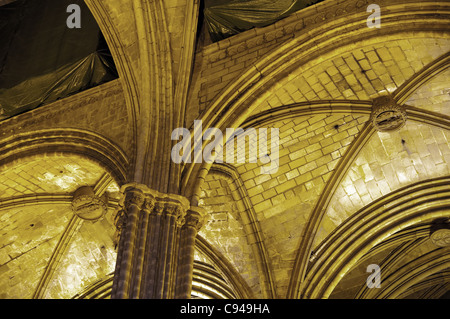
column 170, row 209
column 149, row 204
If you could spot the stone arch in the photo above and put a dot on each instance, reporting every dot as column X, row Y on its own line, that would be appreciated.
column 422, row 202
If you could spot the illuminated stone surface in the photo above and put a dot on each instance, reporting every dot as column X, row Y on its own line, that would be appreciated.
column 226, row 229
column 441, row 237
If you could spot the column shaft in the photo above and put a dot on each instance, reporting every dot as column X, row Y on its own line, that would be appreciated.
column 195, row 219
column 156, row 247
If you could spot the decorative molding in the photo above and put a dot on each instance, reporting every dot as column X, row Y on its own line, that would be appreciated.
column 309, row 108
column 332, row 107
column 207, row 281
column 148, row 201
column 156, row 195
column 123, row 63
column 44, row 199
column 420, row 269
column 427, row 117
column 58, row 252
column 133, row 196
column 400, row 238
column 436, row 285
column 392, row 259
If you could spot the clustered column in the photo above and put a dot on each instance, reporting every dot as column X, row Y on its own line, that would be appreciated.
column 156, row 239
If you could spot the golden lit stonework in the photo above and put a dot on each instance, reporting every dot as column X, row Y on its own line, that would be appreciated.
column 112, row 191
column 387, row 115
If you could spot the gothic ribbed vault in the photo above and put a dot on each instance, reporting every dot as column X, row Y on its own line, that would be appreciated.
column 346, row 195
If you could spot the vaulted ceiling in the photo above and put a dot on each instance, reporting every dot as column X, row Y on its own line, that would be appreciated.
column 345, row 195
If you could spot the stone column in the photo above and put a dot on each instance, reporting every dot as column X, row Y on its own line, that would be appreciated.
column 195, row 219
column 156, row 245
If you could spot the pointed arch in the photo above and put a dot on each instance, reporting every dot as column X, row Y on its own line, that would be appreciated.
column 415, row 204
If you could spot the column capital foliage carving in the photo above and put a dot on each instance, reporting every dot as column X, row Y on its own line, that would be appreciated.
column 196, row 217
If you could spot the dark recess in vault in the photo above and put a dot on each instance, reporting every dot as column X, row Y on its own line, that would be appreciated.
column 43, row 60
column 225, row 18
